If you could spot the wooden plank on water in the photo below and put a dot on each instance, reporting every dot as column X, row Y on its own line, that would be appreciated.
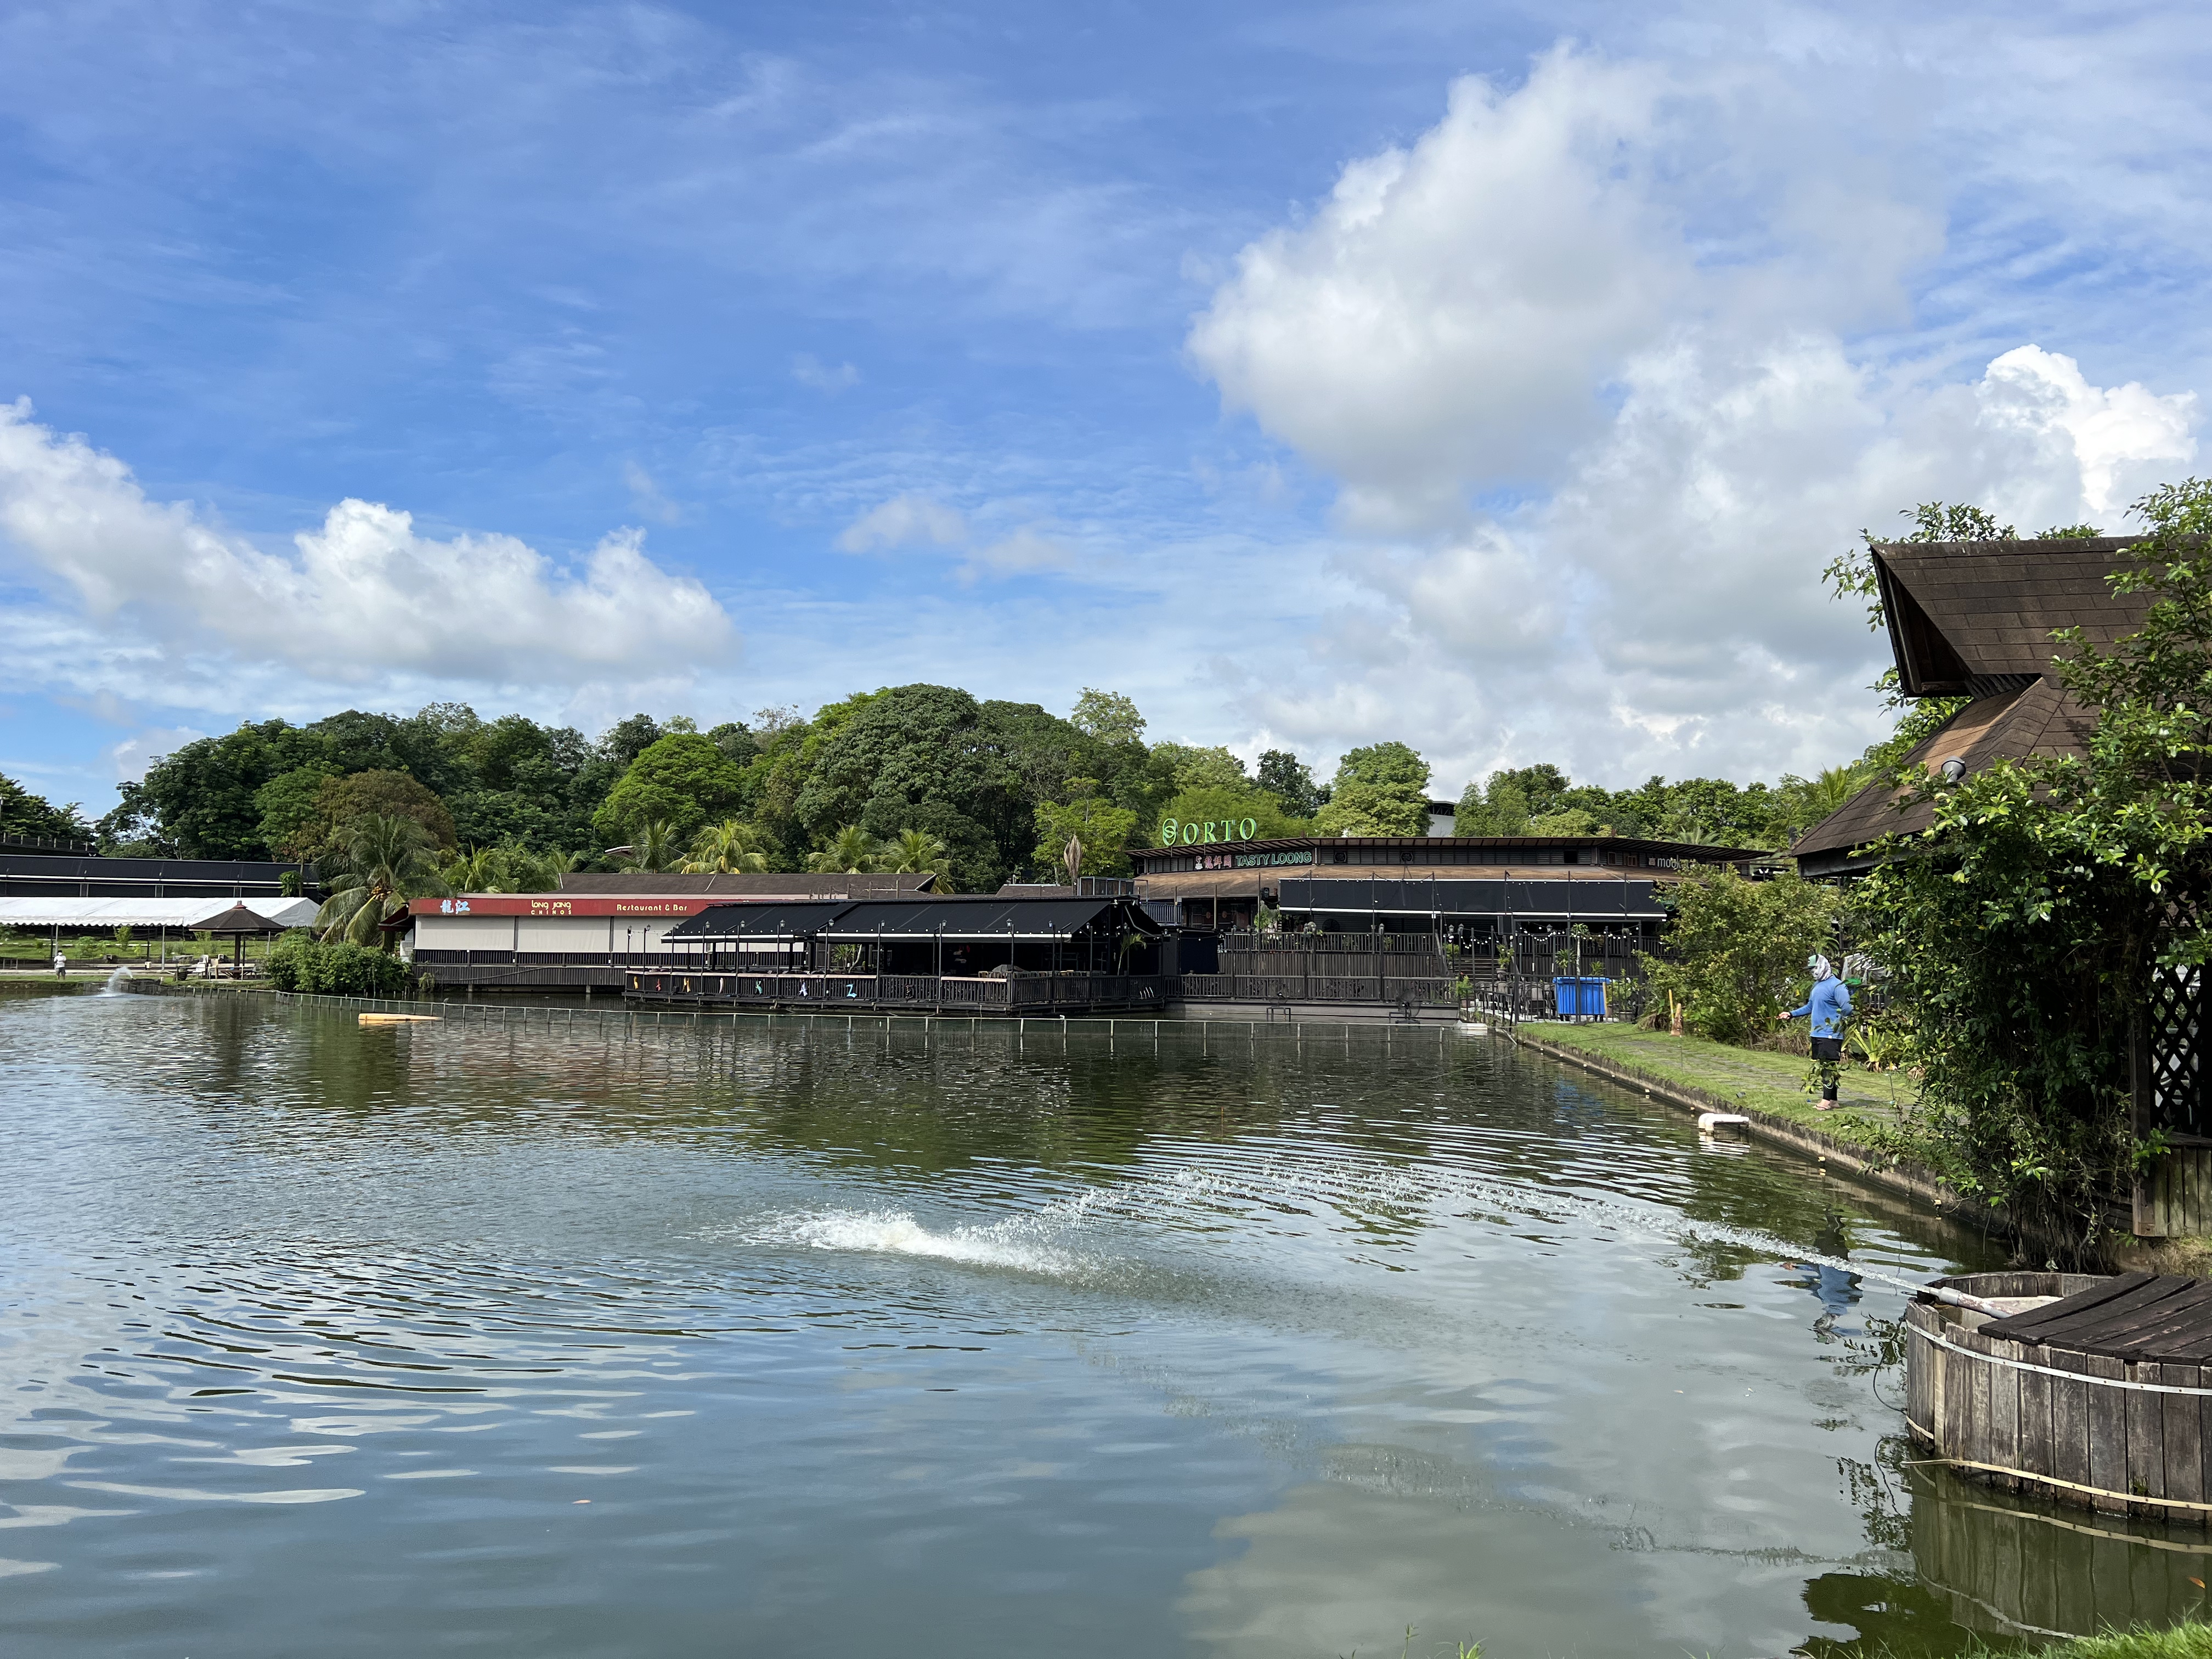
column 2182, row 1438
column 2034, row 1416
column 1980, row 1414
column 2146, row 1430
column 2070, row 1419
column 2108, row 1434
column 2003, row 1437
column 1918, row 1348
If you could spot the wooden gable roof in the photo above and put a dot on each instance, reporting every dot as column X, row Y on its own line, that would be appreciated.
column 1975, row 619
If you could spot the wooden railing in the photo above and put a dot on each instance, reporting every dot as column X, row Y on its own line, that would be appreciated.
column 1041, row 993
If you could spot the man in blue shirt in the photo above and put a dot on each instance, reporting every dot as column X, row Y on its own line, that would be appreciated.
column 1830, row 1001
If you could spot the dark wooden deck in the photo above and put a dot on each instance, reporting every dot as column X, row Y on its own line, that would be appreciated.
column 2131, row 1316
column 1040, row 994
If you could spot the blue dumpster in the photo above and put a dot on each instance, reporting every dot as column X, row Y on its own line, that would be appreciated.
column 1579, row 998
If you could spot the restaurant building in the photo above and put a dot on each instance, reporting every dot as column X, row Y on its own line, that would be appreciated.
column 588, row 933
column 1458, row 886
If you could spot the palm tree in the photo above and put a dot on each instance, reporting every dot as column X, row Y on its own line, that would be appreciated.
column 919, row 852
column 730, row 848
column 525, row 872
column 852, row 848
column 479, row 870
column 652, row 846
column 387, row 861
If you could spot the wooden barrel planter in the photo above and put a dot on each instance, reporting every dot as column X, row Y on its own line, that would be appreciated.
column 2095, row 1390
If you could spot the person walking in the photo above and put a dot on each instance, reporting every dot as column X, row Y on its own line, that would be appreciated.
column 1831, row 999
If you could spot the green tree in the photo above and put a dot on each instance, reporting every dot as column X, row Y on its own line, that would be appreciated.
column 387, row 862
column 682, row 780
column 22, row 813
column 1379, row 790
column 851, row 850
column 916, row 852
column 730, row 848
column 1265, row 811
column 1287, row 778
column 1091, row 818
column 1500, row 807
column 290, row 805
column 921, row 757
column 343, row 805
column 1107, row 716
column 654, row 846
column 1202, row 769
column 1736, row 950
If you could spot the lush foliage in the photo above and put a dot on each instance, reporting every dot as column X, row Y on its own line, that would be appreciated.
column 344, row 968
column 1382, row 789
column 1089, row 817
column 682, row 779
column 22, row 813
column 1736, row 951
column 508, row 779
column 2022, row 931
column 509, row 867
column 730, row 848
column 388, row 861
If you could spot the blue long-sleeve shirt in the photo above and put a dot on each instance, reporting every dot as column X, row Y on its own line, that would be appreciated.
column 1830, row 1001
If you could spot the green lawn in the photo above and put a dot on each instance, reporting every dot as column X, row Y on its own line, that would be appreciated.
column 2190, row 1640
column 1745, row 1079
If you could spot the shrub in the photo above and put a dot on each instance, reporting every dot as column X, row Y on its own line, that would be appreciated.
column 1736, row 950
column 301, row 963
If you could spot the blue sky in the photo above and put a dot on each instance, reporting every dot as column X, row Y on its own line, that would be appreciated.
column 1495, row 378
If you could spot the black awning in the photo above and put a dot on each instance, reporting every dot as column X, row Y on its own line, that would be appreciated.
column 985, row 918
column 802, row 918
column 1625, row 897
column 955, row 919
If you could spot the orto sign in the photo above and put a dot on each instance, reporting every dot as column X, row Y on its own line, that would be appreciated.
column 1192, row 832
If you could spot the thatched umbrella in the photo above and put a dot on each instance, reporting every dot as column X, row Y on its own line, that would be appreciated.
column 238, row 922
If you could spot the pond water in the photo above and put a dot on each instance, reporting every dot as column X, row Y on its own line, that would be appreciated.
column 596, row 1338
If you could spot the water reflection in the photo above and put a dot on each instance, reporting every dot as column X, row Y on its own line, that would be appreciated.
column 626, row 1339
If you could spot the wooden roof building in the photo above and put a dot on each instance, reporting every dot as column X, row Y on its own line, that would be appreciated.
column 1975, row 619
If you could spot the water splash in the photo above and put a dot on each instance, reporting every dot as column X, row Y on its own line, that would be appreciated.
column 116, row 981
column 1013, row 1243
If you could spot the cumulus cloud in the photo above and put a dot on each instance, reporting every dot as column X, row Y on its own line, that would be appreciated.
column 1589, row 364
column 362, row 600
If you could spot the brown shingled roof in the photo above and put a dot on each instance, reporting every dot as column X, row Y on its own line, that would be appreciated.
column 1968, row 617
column 2039, row 719
column 1975, row 619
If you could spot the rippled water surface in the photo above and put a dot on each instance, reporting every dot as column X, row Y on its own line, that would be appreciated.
column 589, row 1338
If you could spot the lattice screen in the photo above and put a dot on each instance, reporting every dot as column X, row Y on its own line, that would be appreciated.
column 2178, row 1035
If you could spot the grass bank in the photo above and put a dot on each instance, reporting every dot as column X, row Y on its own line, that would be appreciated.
column 2190, row 1641
column 1749, row 1080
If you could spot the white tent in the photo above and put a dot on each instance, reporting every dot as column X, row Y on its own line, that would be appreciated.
column 177, row 915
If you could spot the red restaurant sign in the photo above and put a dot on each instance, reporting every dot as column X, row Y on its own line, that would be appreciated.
column 577, row 904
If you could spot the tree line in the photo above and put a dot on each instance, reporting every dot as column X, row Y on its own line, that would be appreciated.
column 913, row 776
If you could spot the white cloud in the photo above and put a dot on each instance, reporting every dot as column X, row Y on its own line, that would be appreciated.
column 1588, row 363
column 645, row 495
column 905, row 521
column 916, row 520
column 361, row 601
column 2117, row 436
column 127, row 760
column 831, row 377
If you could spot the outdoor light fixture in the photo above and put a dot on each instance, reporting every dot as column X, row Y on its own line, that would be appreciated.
column 1954, row 770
